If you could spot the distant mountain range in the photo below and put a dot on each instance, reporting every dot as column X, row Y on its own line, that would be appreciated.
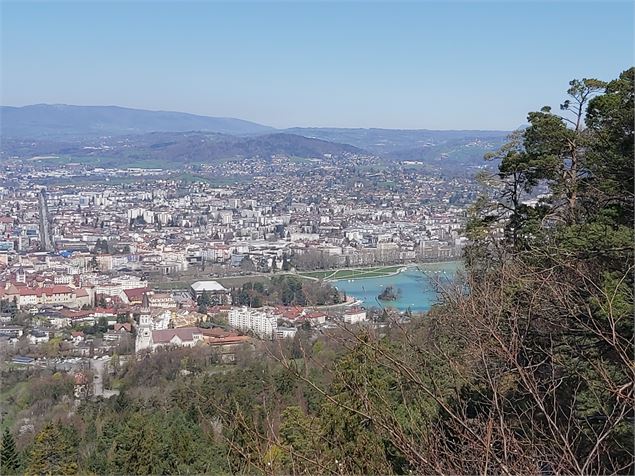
column 388, row 141
column 58, row 121
column 124, row 133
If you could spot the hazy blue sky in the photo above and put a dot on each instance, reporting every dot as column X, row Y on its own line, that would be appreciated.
column 422, row 64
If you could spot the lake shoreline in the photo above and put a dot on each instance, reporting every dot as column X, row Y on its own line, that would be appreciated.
column 416, row 284
column 402, row 269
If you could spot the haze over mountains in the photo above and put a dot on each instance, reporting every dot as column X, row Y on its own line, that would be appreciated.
column 383, row 141
column 113, row 131
column 63, row 121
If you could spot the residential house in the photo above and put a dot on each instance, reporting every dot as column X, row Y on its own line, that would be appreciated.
column 354, row 316
column 38, row 336
column 286, row 332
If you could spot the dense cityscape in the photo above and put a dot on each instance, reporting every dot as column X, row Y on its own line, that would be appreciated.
column 98, row 248
column 305, row 238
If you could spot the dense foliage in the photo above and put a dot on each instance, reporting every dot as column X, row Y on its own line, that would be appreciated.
column 289, row 291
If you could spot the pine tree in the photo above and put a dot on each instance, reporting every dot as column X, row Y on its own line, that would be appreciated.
column 138, row 448
column 52, row 453
column 205, row 299
column 577, row 243
column 9, row 460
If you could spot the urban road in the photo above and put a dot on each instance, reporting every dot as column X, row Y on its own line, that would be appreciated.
column 47, row 244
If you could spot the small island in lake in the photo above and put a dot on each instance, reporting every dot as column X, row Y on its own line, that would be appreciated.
column 388, row 294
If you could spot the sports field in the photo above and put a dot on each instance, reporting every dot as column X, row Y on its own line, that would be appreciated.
column 353, row 273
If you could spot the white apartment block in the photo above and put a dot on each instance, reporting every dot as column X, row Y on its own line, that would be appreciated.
column 259, row 322
column 353, row 316
column 286, row 332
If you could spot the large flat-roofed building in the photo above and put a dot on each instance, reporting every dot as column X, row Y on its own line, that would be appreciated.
column 217, row 292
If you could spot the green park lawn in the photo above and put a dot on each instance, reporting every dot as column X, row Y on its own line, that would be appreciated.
column 354, row 273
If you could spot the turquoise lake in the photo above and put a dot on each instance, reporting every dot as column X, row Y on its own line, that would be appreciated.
column 415, row 286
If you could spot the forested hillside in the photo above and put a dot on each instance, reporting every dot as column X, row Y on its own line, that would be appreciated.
column 525, row 367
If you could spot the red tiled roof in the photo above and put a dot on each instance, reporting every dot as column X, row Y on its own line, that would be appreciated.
column 69, row 313
column 354, row 310
column 104, row 310
column 126, row 326
column 289, row 312
column 45, row 291
column 226, row 340
column 135, row 294
column 50, row 290
column 29, row 292
column 314, row 315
